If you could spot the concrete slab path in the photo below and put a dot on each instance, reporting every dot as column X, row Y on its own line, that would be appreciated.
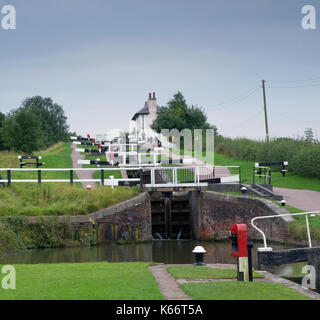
column 170, row 289
column 167, row 284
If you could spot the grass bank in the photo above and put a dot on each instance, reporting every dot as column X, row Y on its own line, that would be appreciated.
column 84, row 281
column 53, row 199
column 56, row 156
column 291, row 180
column 298, row 228
column 194, row 272
column 237, row 290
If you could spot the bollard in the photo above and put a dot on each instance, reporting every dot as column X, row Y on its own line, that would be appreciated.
column 199, row 252
column 243, row 190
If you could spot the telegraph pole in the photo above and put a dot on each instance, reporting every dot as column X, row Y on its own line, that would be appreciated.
column 265, row 109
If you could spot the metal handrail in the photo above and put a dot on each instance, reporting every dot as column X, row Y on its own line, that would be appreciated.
column 284, row 215
column 256, row 173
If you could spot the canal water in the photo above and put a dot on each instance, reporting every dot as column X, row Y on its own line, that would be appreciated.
column 161, row 251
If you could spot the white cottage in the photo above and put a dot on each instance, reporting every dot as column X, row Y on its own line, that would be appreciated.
column 144, row 118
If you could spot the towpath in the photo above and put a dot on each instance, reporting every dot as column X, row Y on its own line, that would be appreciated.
column 75, row 156
column 307, row 200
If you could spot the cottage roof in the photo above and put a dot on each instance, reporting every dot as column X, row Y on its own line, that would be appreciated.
column 144, row 110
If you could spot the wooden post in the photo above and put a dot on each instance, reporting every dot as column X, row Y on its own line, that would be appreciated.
column 102, row 177
column 9, row 177
column 39, row 176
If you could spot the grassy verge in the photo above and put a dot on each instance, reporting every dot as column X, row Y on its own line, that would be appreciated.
column 291, row 180
column 298, row 228
column 56, row 156
column 98, row 281
column 59, row 199
column 195, row 272
column 235, row 290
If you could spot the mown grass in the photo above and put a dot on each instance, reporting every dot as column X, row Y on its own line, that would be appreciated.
column 56, row 156
column 59, row 199
column 196, row 272
column 291, row 180
column 237, row 290
column 83, row 281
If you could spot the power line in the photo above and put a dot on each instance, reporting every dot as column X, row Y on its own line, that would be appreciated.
column 292, row 87
column 294, row 119
column 237, row 99
column 300, row 80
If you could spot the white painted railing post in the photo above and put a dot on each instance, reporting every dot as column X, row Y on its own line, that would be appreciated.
column 175, row 176
column 308, row 231
column 152, row 177
column 112, row 181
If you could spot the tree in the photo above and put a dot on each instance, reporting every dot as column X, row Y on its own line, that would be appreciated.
column 308, row 135
column 53, row 121
column 37, row 124
column 22, row 131
column 177, row 115
column 2, row 141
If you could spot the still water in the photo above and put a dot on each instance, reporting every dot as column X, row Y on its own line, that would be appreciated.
column 165, row 251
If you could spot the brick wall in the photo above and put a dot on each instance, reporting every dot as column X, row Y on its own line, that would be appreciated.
column 129, row 220
column 217, row 212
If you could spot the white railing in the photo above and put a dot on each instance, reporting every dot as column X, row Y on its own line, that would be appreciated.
column 266, row 248
column 163, row 177
column 262, row 172
column 135, row 158
column 168, row 176
column 103, row 181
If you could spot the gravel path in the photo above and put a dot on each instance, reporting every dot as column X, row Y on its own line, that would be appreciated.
column 75, row 156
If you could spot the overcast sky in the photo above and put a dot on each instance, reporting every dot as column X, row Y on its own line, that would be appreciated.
column 99, row 59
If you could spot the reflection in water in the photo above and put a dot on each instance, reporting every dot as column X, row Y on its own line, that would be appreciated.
column 168, row 251
column 162, row 251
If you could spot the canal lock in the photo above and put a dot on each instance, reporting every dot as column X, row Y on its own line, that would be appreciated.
column 171, row 216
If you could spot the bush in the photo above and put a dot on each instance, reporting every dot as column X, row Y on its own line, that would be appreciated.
column 307, row 161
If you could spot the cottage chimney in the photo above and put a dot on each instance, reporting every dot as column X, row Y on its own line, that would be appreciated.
column 152, row 107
